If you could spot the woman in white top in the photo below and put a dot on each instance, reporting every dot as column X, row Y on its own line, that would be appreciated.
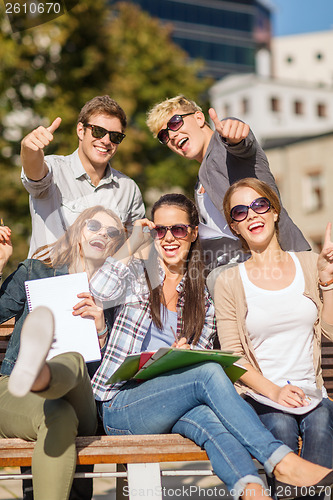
column 271, row 310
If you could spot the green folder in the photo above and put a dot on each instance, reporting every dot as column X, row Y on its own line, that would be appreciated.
column 170, row 358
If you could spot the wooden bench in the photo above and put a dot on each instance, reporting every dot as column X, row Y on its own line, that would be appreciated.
column 138, row 458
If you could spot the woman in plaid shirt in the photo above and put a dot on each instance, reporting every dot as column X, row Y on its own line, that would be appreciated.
column 199, row 401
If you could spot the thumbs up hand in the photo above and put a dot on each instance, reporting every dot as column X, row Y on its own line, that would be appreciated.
column 32, row 150
column 40, row 137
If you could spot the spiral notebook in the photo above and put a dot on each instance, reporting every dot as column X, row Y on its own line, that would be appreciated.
column 72, row 333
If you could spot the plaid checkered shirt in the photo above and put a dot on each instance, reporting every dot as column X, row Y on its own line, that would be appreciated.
column 118, row 284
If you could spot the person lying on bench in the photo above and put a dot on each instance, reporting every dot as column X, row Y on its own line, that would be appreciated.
column 199, row 401
column 53, row 417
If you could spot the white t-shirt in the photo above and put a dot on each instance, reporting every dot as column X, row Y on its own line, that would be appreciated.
column 213, row 223
column 280, row 325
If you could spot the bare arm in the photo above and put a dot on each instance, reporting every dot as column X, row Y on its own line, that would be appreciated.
column 32, row 150
column 288, row 395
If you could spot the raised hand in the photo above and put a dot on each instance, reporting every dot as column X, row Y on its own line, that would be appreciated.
column 232, row 130
column 6, row 248
column 141, row 232
column 325, row 259
column 41, row 136
column 32, row 150
column 139, row 241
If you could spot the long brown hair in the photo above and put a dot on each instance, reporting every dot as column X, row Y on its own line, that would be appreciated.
column 263, row 189
column 193, row 311
column 66, row 250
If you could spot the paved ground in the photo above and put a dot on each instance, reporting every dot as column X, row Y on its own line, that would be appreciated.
column 104, row 489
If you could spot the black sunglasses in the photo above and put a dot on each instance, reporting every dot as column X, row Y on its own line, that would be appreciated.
column 175, row 122
column 259, row 206
column 99, row 132
column 95, row 225
column 178, row 231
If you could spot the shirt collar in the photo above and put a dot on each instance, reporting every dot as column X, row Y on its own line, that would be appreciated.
column 181, row 285
column 79, row 170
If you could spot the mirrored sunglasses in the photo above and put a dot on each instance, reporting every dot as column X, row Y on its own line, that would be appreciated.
column 175, row 122
column 95, row 225
column 178, row 231
column 99, row 132
column 259, row 206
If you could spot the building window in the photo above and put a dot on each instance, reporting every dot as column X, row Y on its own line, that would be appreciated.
column 289, row 60
column 313, row 196
column 245, row 106
column 319, row 56
column 298, row 108
column 275, row 105
column 321, row 110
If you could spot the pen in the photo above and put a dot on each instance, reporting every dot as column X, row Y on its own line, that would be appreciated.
column 307, row 398
column 1, row 222
column 288, row 382
column 174, row 334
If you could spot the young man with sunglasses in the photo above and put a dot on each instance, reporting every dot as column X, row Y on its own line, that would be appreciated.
column 61, row 187
column 226, row 155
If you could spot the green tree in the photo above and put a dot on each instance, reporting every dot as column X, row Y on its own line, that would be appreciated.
column 47, row 71
column 53, row 69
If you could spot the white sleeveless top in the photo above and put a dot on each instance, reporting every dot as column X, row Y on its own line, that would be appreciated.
column 280, row 325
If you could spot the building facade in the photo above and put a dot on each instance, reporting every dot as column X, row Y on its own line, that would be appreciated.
column 290, row 110
column 304, row 174
column 277, row 109
column 304, row 58
column 226, row 35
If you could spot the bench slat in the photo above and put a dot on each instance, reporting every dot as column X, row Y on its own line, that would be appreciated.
column 112, row 449
column 7, row 328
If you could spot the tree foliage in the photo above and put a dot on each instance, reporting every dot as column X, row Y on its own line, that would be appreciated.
column 53, row 69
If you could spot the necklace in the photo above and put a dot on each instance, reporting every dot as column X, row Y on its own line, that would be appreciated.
column 167, row 302
column 168, row 288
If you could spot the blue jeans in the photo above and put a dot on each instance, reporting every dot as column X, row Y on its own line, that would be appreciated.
column 202, row 404
column 315, row 428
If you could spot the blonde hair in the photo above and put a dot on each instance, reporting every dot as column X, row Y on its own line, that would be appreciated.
column 264, row 190
column 158, row 114
column 66, row 250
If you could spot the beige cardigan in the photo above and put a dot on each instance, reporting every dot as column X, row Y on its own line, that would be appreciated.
column 231, row 311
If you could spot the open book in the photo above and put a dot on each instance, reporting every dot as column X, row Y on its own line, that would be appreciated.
column 72, row 333
column 147, row 365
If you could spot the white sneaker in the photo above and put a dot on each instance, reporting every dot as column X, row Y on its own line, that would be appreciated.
column 36, row 339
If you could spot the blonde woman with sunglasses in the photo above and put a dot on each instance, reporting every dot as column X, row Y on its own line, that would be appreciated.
column 271, row 311
column 52, row 403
